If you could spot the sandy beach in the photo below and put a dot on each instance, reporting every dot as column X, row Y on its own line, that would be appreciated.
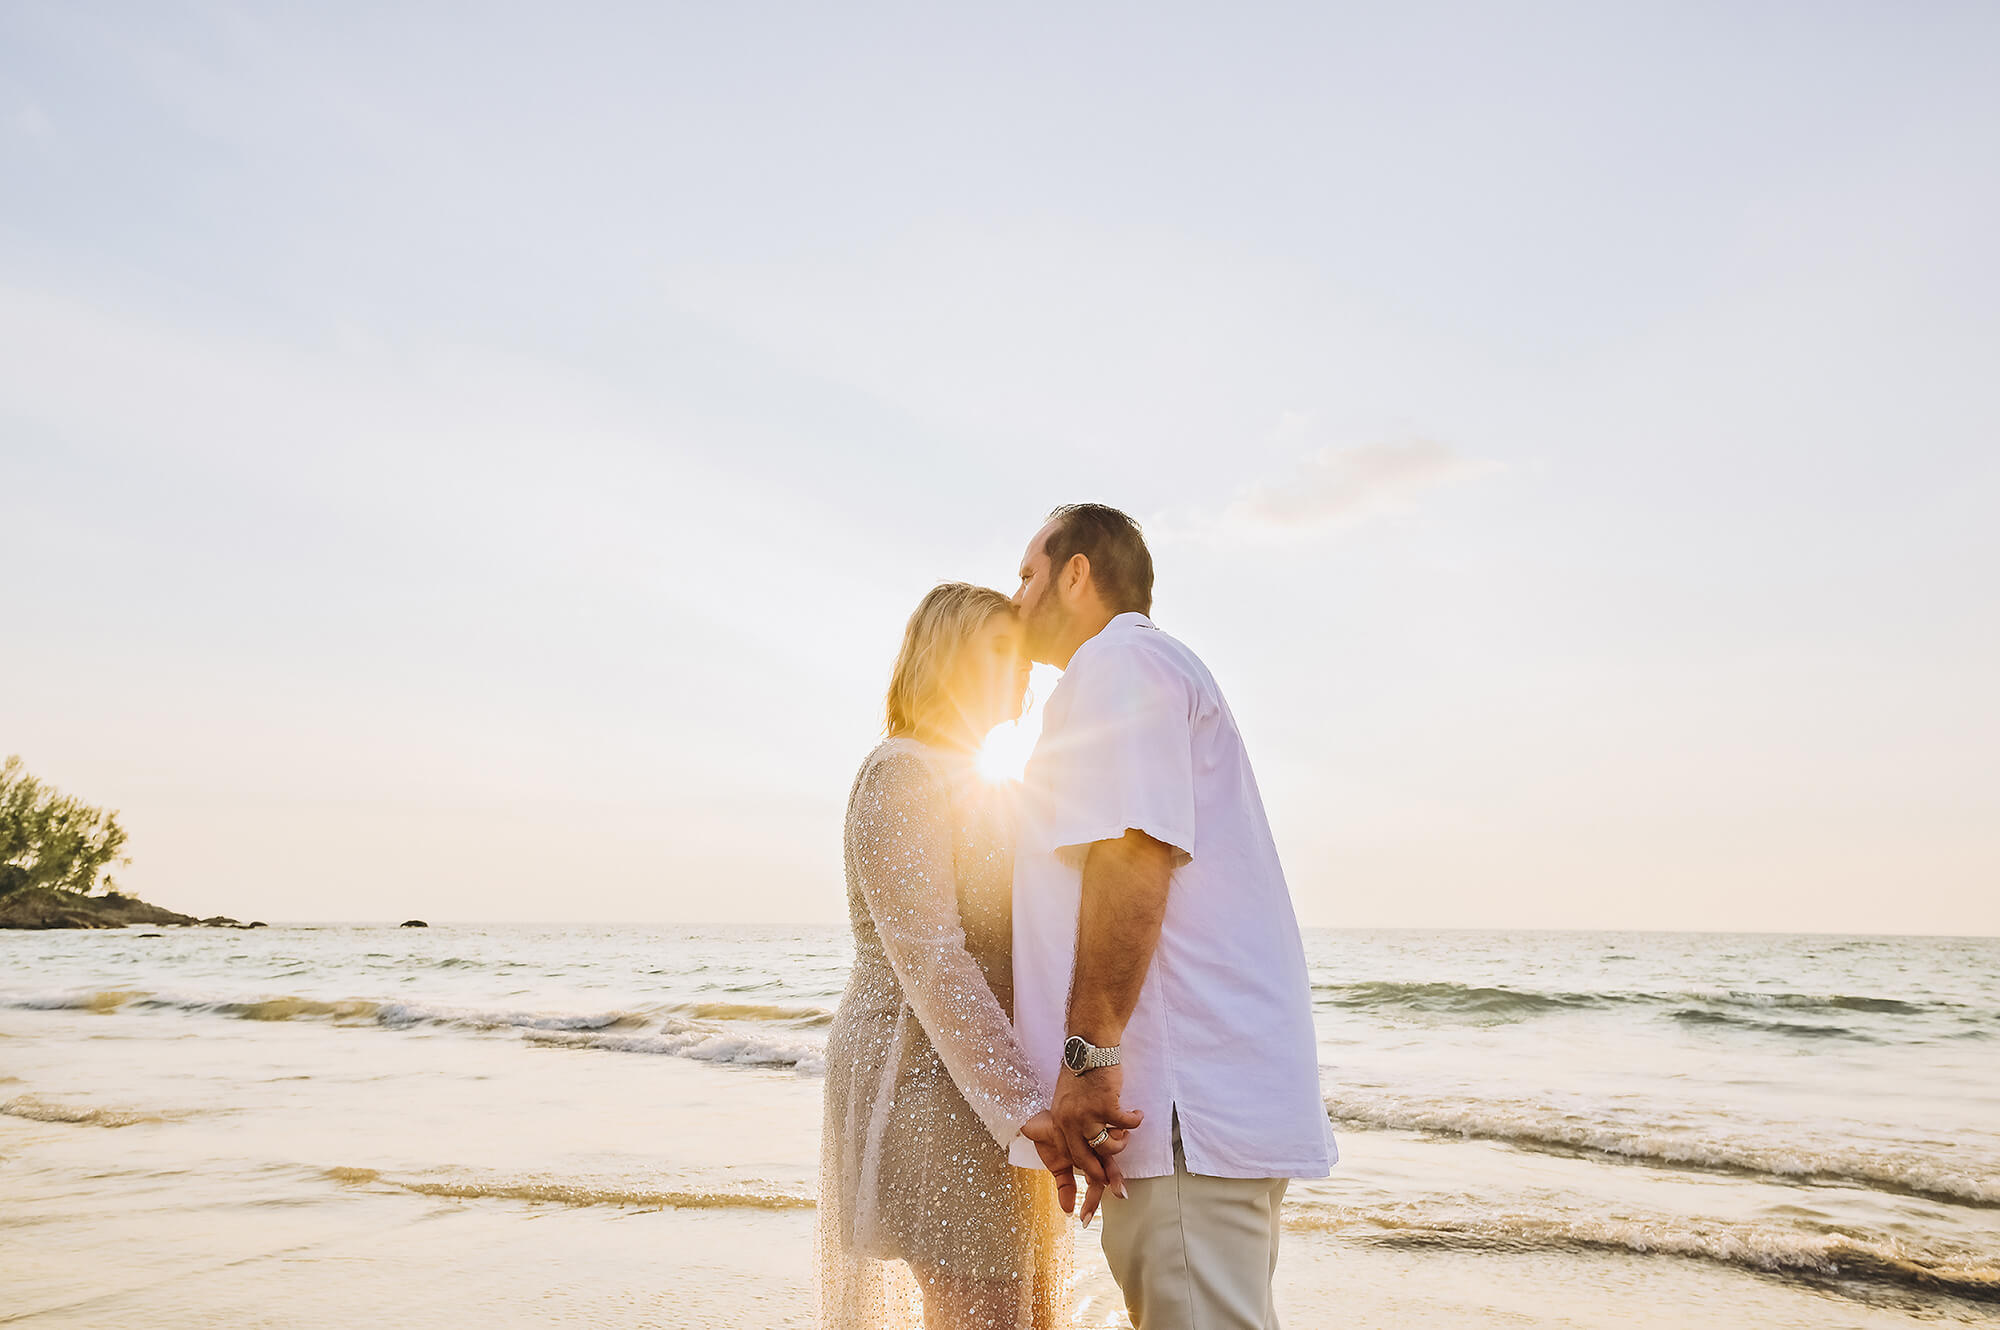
column 618, row 1127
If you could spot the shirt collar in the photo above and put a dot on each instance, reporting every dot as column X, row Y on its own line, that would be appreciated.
column 1129, row 619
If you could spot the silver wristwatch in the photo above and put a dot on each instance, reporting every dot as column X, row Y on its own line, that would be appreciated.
column 1080, row 1055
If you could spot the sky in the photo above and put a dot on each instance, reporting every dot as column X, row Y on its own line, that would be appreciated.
column 474, row 461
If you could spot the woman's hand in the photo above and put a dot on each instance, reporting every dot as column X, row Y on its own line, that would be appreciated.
column 1041, row 1131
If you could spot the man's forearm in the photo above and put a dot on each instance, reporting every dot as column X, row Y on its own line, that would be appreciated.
column 1117, row 928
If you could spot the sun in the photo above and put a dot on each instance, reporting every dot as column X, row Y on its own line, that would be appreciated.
column 1004, row 755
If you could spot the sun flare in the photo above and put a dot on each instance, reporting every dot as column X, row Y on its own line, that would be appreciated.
column 1004, row 755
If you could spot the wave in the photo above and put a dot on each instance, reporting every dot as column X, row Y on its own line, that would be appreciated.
column 701, row 1044
column 1475, row 1000
column 757, row 1011
column 618, row 1030
column 1452, row 998
column 1542, row 1127
column 1839, row 1002
column 36, row 1109
column 1765, row 1248
column 396, row 1014
column 560, row 1192
column 281, row 1008
column 1791, row 1029
column 74, row 999
column 286, row 1008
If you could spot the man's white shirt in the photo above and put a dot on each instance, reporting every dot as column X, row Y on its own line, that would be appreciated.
column 1137, row 736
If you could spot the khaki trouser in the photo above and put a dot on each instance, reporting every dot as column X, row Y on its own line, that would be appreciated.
column 1194, row 1252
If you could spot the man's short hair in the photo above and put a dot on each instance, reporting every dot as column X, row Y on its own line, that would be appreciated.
column 1120, row 563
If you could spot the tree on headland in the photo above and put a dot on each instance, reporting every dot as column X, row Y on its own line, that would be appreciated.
column 48, row 839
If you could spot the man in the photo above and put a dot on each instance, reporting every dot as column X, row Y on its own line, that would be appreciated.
column 1157, row 960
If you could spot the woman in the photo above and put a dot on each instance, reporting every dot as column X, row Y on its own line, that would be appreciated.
column 925, row 1085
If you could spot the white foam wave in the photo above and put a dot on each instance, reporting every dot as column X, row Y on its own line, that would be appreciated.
column 702, row 1044
column 545, row 1190
column 1771, row 1248
column 479, row 1018
column 1543, row 1126
column 70, row 999
column 34, row 1108
column 703, row 1041
column 286, row 1007
column 1500, row 1003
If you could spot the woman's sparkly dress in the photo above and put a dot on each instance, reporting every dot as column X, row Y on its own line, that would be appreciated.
column 925, row 1084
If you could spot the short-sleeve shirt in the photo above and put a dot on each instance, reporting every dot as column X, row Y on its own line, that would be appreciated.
column 1137, row 736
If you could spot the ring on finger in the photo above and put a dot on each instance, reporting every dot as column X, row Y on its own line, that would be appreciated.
column 1103, row 1135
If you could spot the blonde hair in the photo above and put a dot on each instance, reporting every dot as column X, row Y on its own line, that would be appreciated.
column 943, row 622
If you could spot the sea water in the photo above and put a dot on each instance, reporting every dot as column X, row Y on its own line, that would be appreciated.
column 617, row 1125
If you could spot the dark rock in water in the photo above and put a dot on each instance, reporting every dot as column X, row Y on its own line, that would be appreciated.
column 256, row 923
column 152, row 935
column 414, row 923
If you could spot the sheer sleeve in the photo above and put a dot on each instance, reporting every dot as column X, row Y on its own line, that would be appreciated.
column 902, row 856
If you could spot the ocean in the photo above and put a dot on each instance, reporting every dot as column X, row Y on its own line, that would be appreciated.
column 320, row 1125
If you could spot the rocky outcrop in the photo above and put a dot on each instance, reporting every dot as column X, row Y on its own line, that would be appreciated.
column 414, row 923
column 41, row 907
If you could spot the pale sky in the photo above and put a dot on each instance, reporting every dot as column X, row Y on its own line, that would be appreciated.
column 474, row 461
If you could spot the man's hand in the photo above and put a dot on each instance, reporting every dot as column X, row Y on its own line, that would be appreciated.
column 1084, row 1106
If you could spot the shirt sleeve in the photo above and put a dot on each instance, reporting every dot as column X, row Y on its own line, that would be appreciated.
column 1124, row 759
column 902, row 856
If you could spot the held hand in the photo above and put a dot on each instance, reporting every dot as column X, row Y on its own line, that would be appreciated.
column 1084, row 1106
column 1091, row 1196
column 1113, row 1178
column 1041, row 1131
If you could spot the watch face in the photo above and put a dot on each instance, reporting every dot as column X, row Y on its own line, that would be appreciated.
column 1074, row 1052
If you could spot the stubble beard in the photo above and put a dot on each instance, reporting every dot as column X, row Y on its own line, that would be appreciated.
column 1041, row 626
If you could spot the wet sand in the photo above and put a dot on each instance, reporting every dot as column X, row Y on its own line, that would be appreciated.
column 272, row 1174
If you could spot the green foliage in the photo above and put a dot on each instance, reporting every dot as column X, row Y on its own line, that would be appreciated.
column 48, row 839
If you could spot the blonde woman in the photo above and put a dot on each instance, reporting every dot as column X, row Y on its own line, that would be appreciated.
column 921, row 1219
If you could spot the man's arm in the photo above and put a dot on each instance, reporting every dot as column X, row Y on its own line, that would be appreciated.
column 1118, row 926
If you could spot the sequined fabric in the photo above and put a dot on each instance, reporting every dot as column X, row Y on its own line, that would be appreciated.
column 925, row 1084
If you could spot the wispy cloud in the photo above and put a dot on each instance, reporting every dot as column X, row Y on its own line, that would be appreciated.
column 1329, row 486
column 1338, row 484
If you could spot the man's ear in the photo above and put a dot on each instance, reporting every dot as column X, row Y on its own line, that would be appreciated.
column 1074, row 574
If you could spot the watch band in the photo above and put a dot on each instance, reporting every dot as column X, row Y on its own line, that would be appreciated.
column 1092, row 1057
column 1100, row 1057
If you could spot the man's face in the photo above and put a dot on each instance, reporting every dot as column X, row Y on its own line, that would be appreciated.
column 1042, row 615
